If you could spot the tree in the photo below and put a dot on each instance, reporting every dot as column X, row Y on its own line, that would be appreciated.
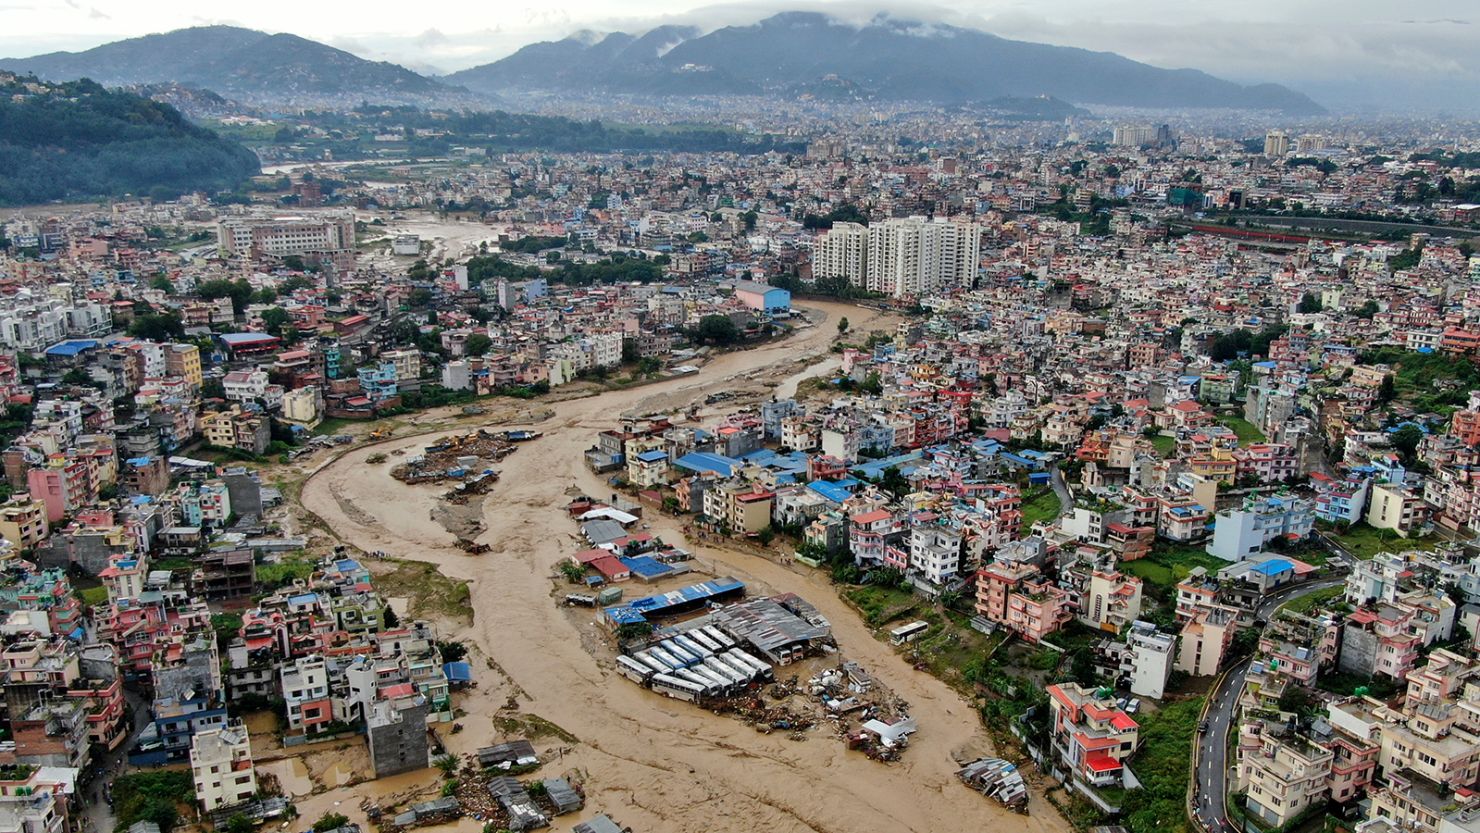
column 446, row 763
column 330, row 821
column 1407, row 438
column 161, row 326
column 717, row 329
column 274, row 319
column 239, row 291
column 239, row 823
column 1309, row 303
column 477, row 345
column 452, row 650
column 162, row 283
column 894, row 482
column 1386, row 390
column 842, row 325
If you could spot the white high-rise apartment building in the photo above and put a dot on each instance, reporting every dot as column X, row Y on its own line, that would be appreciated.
column 916, row 256
column 842, row 253
column 1276, row 143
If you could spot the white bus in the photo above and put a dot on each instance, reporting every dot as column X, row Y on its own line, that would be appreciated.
column 736, row 665
column 652, row 662
column 718, row 636
column 732, row 678
column 761, row 668
column 633, row 670
column 670, row 686
column 697, row 635
column 908, row 633
column 693, row 647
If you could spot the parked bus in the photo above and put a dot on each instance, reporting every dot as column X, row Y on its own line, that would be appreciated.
column 693, row 647
column 681, row 689
column 657, row 665
column 710, row 645
column 761, row 668
column 718, row 636
column 908, row 633
column 633, row 670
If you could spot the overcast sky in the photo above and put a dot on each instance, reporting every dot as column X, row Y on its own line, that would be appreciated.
column 1352, row 50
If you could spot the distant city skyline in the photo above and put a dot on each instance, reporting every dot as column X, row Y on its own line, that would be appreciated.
column 1365, row 54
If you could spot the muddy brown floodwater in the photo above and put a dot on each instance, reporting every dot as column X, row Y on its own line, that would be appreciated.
column 655, row 764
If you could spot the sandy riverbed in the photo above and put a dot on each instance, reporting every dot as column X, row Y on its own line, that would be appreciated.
column 656, row 764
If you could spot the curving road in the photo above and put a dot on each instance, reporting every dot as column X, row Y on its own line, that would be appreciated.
column 1211, row 784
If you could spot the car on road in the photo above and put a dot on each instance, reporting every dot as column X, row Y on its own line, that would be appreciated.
column 1203, row 726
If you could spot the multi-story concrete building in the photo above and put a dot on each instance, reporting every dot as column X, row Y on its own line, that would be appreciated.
column 912, row 257
column 842, row 253
column 221, row 765
column 1092, row 738
column 1239, row 533
column 1283, row 777
column 327, row 238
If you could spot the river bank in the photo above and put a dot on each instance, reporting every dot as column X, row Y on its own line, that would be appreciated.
column 655, row 764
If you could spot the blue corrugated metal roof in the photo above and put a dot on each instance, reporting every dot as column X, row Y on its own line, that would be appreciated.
column 829, row 490
column 71, row 347
column 458, row 672
column 702, row 461
column 646, row 566
column 652, row 456
column 1272, row 566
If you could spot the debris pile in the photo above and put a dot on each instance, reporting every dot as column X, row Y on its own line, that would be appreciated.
column 457, row 458
column 868, row 717
column 999, row 779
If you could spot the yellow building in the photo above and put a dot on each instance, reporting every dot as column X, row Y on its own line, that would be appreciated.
column 23, row 521
column 183, row 360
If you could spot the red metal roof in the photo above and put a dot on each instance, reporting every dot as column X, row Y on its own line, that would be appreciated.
column 1100, row 762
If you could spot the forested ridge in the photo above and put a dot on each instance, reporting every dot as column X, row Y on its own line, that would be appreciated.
column 76, row 140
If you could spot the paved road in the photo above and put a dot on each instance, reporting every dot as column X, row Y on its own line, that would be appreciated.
column 1211, row 784
column 1060, row 488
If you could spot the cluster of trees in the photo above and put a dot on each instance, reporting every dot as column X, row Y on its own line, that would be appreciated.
column 1234, row 343
column 839, row 288
column 716, row 329
column 499, row 131
column 150, row 796
column 847, row 213
column 1406, row 259
column 617, row 269
column 1325, row 166
column 1429, row 382
column 157, row 326
column 81, row 140
column 533, row 244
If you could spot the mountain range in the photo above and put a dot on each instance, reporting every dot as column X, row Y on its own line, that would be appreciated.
column 887, row 58
column 250, row 66
column 789, row 54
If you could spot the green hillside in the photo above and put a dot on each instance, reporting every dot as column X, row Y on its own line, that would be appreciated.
column 77, row 140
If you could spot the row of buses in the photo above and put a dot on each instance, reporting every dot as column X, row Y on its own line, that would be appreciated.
column 699, row 664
